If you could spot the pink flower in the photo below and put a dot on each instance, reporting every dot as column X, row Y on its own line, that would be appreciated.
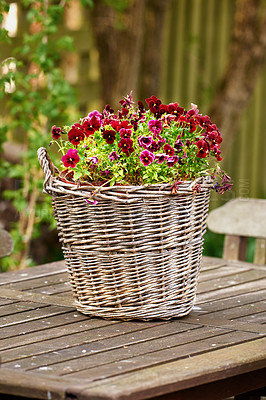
column 146, row 157
column 155, row 126
column 171, row 161
column 160, row 158
column 145, row 141
column 96, row 114
column 71, row 158
column 113, row 156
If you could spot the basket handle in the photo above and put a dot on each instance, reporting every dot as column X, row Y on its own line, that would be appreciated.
column 47, row 166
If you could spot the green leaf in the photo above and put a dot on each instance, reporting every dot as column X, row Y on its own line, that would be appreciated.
column 77, row 175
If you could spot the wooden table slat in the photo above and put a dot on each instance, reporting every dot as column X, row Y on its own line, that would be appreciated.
column 181, row 374
column 129, row 363
column 46, row 323
column 38, row 313
column 50, row 350
column 44, row 270
column 97, row 354
column 98, row 333
column 232, row 301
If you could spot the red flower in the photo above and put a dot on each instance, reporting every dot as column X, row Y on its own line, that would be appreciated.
column 204, row 120
column 192, row 126
column 71, row 158
column 153, row 103
column 125, row 133
column 154, row 146
column 169, row 150
column 56, row 132
column 215, row 139
column 109, row 136
column 163, row 109
column 76, row 134
column 115, row 124
column 174, row 109
column 203, row 148
column 90, row 125
column 141, row 107
column 124, row 124
column 126, row 146
column 144, row 141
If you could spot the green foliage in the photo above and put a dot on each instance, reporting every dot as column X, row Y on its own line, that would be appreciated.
column 138, row 147
column 35, row 95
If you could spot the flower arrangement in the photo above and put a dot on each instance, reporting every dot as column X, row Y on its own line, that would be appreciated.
column 135, row 146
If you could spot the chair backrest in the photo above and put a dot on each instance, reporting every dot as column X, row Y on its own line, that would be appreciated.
column 239, row 219
column 6, row 243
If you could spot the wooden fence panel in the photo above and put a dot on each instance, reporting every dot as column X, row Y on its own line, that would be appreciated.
column 197, row 37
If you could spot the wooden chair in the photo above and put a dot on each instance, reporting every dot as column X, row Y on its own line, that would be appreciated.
column 239, row 219
column 6, row 243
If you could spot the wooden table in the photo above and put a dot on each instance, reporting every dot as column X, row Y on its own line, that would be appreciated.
column 51, row 351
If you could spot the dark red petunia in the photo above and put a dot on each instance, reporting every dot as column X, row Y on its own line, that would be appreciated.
column 203, row 148
column 204, row 120
column 115, row 123
column 76, row 134
column 163, row 109
column 126, row 146
column 90, row 125
column 109, row 136
column 172, row 107
column 154, row 104
column 169, row 150
column 125, row 124
column 192, row 126
column 178, row 145
column 56, row 132
column 154, row 146
column 215, row 139
column 125, row 133
column 141, row 107
column 218, row 157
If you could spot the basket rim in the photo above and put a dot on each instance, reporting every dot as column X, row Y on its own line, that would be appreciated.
column 56, row 185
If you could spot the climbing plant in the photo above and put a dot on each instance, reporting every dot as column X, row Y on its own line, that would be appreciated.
column 34, row 94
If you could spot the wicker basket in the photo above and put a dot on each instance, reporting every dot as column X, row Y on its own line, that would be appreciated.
column 137, row 253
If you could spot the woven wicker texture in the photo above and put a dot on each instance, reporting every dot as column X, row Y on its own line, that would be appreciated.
column 134, row 254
